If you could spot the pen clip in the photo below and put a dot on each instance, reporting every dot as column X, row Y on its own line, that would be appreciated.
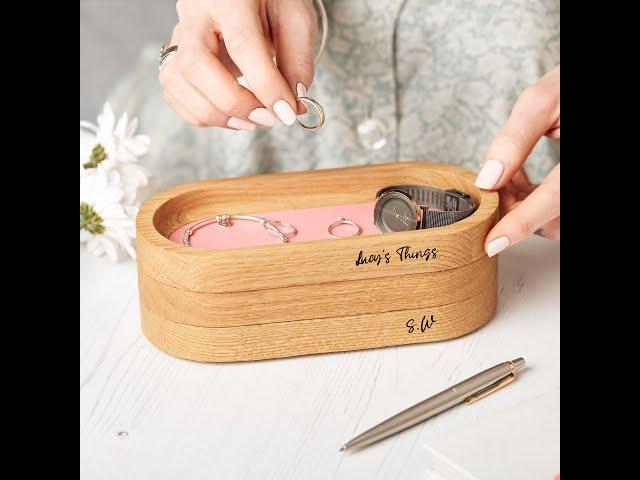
column 491, row 388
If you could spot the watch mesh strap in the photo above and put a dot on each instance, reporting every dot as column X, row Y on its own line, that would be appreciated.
column 450, row 205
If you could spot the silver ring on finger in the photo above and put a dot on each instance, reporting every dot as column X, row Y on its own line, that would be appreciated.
column 166, row 51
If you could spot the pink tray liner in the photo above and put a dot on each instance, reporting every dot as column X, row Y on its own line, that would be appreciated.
column 311, row 223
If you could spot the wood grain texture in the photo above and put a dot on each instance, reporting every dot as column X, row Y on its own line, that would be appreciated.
column 308, row 263
column 323, row 335
column 311, row 297
column 350, row 297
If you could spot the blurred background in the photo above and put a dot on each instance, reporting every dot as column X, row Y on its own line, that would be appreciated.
column 112, row 36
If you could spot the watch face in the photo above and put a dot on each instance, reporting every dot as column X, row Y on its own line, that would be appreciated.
column 395, row 212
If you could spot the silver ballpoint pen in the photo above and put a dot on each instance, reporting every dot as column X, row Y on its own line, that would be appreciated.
column 469, row 391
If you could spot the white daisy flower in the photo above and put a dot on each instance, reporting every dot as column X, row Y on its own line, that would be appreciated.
column 105, row 223
column 115, row 147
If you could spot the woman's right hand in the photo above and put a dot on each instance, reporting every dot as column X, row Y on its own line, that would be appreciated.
column 220, row 40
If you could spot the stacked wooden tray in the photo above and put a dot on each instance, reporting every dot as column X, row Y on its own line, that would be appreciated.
column 311, row 297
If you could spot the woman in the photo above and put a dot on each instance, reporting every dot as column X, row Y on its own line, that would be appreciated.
column 399, row 80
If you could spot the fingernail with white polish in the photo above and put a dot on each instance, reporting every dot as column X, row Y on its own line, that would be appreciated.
column 301, row 90
column 240, row 124
column 490, row 174
column 263, row 117
column 284, row 112
column 496, row 246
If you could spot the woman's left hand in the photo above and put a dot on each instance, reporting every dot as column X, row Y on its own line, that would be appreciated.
column 525, row 208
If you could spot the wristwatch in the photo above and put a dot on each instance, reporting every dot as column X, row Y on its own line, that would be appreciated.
column 401, row 208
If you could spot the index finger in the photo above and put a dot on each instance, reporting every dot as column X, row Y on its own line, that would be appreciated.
column 198, row 64
column 247, row 47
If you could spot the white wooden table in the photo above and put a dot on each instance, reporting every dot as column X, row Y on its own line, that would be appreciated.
column 147, row 415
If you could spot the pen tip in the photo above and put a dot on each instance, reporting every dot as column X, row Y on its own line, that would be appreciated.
column 518, row 364
column 343, row 448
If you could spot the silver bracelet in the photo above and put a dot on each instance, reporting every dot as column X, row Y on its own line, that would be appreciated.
column 283, row 230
